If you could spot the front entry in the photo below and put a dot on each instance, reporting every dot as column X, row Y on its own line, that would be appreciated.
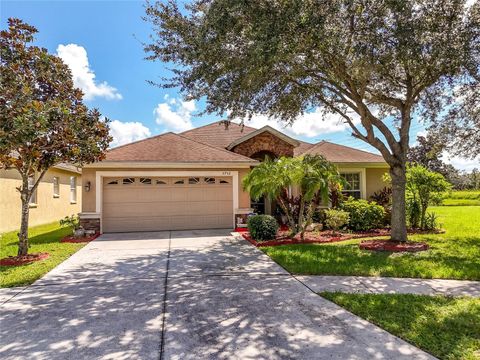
column 167, row 203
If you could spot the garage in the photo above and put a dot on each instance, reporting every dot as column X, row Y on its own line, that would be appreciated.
column 166, row 203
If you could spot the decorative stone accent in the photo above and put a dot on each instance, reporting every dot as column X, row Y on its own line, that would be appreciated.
column 90, row 224
column 241, row 220
column 264, row 142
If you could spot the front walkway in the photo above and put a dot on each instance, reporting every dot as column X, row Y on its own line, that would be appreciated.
column 182, row 295
column 386, row 285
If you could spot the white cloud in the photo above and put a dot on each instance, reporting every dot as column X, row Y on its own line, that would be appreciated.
column 75, row 56
column 174, row 114
column 462, row 163
column 309, row 124
column 126, row 132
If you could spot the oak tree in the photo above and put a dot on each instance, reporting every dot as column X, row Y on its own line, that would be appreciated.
column 43, row 121
column 376, row 64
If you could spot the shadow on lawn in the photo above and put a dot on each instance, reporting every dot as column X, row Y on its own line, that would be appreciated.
column 53, row 236
column 225, row 300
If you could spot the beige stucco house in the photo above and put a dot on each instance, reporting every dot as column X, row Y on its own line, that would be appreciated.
column 193, row 180
column 58, row 195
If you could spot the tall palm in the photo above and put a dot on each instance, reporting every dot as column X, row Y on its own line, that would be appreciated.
column 310, row 174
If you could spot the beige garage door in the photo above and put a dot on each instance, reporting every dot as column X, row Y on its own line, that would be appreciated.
column 166, row 203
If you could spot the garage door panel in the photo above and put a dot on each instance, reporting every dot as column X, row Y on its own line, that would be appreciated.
column 153, row 207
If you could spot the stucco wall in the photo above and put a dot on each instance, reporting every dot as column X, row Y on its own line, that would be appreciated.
column 88, row 198
column 47, row 209
column 374, row 180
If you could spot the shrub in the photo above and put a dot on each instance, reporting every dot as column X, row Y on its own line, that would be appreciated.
column 262, row 227
column 431, row 221
column 364, row 215
column 413, row 212
column 335, row 219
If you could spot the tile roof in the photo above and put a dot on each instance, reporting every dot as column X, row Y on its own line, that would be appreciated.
column 170, row 147
column 342, row 154
column 217, row 135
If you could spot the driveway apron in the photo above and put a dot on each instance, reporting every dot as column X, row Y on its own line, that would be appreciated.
column 182, row 295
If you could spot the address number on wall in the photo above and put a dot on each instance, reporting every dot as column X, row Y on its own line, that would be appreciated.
column 226, row 173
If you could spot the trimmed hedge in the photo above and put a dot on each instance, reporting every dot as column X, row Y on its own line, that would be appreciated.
column 364, row 215
column 262, row 227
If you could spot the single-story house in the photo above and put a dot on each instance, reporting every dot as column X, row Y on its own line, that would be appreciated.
column 193, row 180
column 58, row 195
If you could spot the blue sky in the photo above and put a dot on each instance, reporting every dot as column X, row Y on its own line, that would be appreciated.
column 101, row 42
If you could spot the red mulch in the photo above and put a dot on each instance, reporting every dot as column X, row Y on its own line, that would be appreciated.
column 21, row 260
column 71, row 239
column 321, row 237
column 394, row 246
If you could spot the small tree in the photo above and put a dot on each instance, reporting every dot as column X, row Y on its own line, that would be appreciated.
column 312, row 175
column 43, row 121
column 424, row 186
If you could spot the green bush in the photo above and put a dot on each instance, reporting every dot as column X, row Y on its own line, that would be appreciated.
column 335, row 219
column 431, row 221
column 262, row 227
column 364, row 215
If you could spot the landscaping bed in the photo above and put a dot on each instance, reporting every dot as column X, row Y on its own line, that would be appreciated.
column 393, row 246
column 322, row 237
column 76, row 240
column 22, row 260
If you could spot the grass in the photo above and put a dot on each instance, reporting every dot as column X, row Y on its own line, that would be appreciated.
column 453, row 255
column 44, row 238
column 462, row 198
column 446, row 327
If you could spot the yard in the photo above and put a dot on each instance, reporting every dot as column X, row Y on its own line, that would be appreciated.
column 446, row 327
column 44, row 238
column 452, row 255
column 462, row 198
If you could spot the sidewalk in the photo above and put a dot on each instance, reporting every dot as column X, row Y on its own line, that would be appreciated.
column 387, row 285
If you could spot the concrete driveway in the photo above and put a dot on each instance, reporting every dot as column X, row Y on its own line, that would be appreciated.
column 182, row 295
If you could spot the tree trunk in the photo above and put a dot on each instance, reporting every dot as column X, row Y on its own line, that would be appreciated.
column 23, row 234
column 300, row 224
column 399, row 219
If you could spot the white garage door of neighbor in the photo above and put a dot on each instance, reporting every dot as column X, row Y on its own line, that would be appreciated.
column 167, row 203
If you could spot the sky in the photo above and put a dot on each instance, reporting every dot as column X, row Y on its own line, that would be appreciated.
column 101, row 42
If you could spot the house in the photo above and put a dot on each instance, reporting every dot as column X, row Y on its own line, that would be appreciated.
column 58, row 195
column 193, row 180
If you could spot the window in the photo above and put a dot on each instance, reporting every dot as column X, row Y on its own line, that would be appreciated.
column 352, row 185
column 113, row 182
column 128, row 181
column 56, row 187
column 161, row 182
column 73, row 189
column 193, row 180
column 222, row 181
column 33, row 198
column 209, row 180
column 146, row 181
column 179, row 182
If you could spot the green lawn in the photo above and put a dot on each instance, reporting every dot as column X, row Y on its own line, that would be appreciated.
column 462, row 198
column 446, row 327
column 44, row 238
column 453, row 255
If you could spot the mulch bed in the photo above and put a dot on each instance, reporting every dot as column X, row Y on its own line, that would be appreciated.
column 326, row 237
column 393, row 246
column 74, row 240
column 22, row 260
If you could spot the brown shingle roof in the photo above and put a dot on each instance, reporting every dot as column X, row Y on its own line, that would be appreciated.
column 342, row 154
column 217, row 135
column 170, row 147
column 300, row 149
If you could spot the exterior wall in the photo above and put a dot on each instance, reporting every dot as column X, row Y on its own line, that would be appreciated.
column 374, row 180
column 264, row 142
column 47, row 209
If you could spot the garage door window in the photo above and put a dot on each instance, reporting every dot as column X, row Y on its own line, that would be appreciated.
column 223, row 181
column 179, row 182
column 193, row 180
column 209, row 180
column 146, row 181
column 113, row 182
column 160, row 182
column 128, row 181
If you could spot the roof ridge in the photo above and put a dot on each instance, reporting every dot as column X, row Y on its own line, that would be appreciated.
column 138, row 141
column 218, row 121
column 215, row 147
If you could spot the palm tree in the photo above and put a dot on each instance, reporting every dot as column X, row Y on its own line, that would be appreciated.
column 311, row 175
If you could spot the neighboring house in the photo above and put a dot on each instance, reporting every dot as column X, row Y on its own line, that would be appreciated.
column 193, row 180
column 57, row 195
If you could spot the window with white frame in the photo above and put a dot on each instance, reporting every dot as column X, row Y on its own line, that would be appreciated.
column 352, row 185
column 56, row 187
column 31, row 183
column 73, row 189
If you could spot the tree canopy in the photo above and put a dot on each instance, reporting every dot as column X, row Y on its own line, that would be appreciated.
column 369, row 62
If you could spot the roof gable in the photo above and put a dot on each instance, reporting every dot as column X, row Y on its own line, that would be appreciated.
column 266, row 128
column 170, row 147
